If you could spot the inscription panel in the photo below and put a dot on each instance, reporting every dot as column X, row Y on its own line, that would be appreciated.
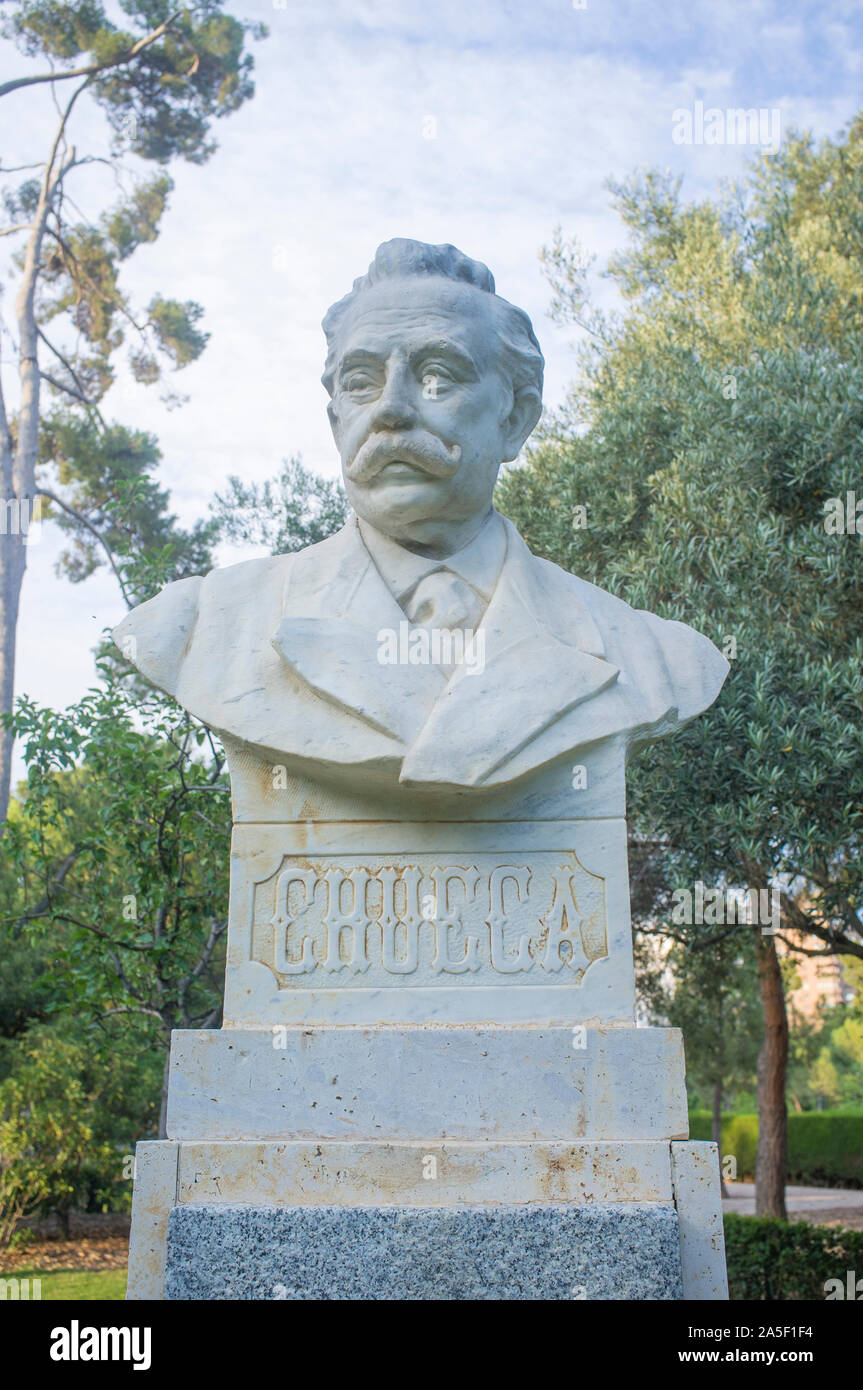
column 382, row 921
column 394, row 922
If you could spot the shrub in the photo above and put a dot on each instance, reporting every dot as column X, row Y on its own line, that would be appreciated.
column 825, row 1148
column 787, row 1260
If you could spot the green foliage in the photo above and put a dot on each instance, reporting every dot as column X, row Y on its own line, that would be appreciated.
column 827, row 1051
column 121, row 846
column 296, row 509
column 113, row 883
column 114, row 889
column 784, row 1260
column 57, row 28
column 116, row 507
column 71, row 1109
column 174, row 325
column 708, row 426
column 712, row 995
column 80, row 283
column 824, row 1149
column 23, row 967
column 160, row 101
column 137, row 221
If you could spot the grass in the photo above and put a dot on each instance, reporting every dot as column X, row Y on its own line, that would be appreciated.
column 78, row 1285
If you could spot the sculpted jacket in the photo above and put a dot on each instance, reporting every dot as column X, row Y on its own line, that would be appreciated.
column 283, row 654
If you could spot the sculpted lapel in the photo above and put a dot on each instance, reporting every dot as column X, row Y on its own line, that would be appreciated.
column 335, row 606
column 530, row 678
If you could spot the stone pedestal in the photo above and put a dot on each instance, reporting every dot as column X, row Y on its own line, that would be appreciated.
column 428, row 1083
column 427, row 1162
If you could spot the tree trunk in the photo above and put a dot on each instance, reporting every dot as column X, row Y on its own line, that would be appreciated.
column 13, row 559
column 19, row 470
column 772, row 1158
column 63, row 1217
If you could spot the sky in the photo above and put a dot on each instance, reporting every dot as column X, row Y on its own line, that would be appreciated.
column 482, row 124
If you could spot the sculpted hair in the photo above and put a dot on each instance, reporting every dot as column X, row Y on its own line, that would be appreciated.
column 402, row 259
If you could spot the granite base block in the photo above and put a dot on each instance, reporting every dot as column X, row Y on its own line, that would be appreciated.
column 549, row 1251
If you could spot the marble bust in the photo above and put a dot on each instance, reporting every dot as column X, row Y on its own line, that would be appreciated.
column 329, row 661
column 428, row 1082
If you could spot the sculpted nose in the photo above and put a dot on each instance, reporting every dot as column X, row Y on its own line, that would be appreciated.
column 395, row 407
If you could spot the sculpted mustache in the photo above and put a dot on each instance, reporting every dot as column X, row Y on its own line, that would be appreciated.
column 424, row 451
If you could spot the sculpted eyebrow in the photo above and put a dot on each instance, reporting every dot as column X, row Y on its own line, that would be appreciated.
column 447, row 352
column 359, row 357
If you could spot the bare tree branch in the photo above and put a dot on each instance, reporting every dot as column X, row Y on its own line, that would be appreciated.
column 88, row 525
column 74, row 375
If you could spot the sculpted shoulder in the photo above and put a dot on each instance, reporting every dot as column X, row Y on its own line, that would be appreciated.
column 668, row 661
column 205, row 619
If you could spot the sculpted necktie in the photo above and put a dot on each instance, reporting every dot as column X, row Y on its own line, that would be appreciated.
column 444, row 601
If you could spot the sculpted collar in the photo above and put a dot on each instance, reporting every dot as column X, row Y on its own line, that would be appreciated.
column 479, row 562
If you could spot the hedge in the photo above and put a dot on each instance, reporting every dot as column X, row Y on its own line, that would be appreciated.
column 824, row 1149
column 788, row 1260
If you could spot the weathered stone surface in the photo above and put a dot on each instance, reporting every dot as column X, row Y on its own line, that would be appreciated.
column 265, row 790
column 430, row 922
column 548, row 1251
column 432, row 1174
column 428, row 1083
column 154, row 1193
column 697, row 1194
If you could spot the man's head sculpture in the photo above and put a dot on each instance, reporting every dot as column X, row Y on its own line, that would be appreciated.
column 434, row 381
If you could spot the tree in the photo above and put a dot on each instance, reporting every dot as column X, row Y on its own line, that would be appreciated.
column 715, row 424
column 115, row 874
column 120, row 847
column 70, row 1112
column 286, row 513
column 827, row 1064
column 711, row 994
column 160, row 84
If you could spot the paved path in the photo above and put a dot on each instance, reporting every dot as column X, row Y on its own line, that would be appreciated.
column 827, row 1204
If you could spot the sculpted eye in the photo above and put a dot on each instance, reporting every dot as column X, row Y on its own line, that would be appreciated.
column 358, row 381
column 435, row 379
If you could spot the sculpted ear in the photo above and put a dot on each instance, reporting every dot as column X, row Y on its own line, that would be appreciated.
column 521, row 421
